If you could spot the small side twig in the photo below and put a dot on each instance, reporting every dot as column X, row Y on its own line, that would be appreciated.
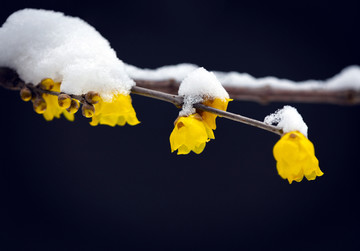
column 178, row 101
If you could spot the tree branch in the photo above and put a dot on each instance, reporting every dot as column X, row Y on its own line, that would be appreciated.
column 269, row 94
column 9, row 79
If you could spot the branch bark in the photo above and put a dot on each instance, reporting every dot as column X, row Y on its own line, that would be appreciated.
column 265, row 95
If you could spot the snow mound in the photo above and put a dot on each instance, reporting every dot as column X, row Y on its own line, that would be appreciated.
column 176, row 72
column 288, row 119
column 197, row 86
column 46, row 44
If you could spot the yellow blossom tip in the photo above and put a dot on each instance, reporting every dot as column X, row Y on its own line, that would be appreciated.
column 64, row 101
column 39, row 105
column 47, row 84
column 92, row 97
column 74, row 106
column 25, row 94
column 88, row 110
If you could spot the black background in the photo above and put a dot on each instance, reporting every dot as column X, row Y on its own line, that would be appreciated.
column 70, row 186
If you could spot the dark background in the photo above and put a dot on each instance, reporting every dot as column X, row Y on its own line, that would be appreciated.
column 70, row 186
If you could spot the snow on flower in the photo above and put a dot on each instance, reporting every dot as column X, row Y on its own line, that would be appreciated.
column 294, row 152
column 194, row 128
column 43, row 44
column 288, row 119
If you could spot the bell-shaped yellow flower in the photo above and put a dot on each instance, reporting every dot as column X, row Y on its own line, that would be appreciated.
column 190, row 134
column 217, row 103
column 118, row 111
column 52, row 106
column 295, row 156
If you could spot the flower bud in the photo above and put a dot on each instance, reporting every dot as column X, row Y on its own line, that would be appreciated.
column 47, row 84
column 74, row 106
column 64, row 101
column 92, row 97
column 25, row 94
column 88, row 110
column 39, row 105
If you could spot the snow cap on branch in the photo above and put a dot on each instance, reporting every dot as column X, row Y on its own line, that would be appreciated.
column 46, row 44
column 198, row 86
column 288, row 119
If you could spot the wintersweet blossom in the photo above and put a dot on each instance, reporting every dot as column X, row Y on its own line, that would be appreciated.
column 117, row 111
column 190, row 134
column 194, row 127
column 295, row 156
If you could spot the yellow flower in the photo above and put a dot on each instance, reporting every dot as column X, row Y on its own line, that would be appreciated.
column 217, row 103
column 190, row 134
column 118, row 111
column 295, row 156
column 52, row 107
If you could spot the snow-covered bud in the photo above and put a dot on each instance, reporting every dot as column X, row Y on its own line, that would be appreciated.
column 47, row 84
column 25, row 94
column 92, row 97
column 64, row 101
column 88, row 110
column 74, row 106
column 39, row 105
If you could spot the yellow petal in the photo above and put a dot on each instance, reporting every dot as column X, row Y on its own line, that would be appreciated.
column 217, row 103
column 190, row 134
column 118, row 111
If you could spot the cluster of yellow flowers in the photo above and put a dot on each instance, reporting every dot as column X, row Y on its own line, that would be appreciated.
column 294, row 153
column 51, row 106
column 118, row 111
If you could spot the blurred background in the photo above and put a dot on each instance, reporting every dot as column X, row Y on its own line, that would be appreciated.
column 70, row 186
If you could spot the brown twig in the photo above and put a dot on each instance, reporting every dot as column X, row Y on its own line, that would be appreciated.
column 178, row 101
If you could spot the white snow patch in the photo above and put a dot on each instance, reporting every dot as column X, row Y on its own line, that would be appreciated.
column 46, row 44
column 197, row 86
column 348, row 78
column 176, row 72
column 288, row 119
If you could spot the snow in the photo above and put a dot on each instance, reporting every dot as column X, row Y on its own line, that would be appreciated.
column 198, row 86
column 176, row 72
column 288, row 119
column 202, row 83
column 348, row 78
column 46, row 44
column 42, row 44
